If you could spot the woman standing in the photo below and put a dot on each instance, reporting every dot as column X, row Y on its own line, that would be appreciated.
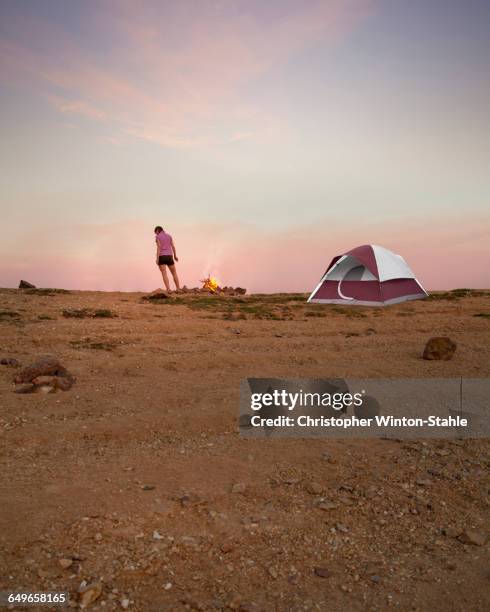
column 166, row 256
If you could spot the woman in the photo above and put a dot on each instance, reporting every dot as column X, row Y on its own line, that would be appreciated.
column 166, row 254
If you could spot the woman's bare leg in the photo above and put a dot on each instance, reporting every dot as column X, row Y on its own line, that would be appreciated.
column 173, row 270
column 163, row 270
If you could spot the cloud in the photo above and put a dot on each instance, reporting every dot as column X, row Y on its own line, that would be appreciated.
column 171, row 73
column 77, row 107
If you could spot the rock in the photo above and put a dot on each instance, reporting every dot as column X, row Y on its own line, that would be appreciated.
column 88, row 594
column 29, row 388
column 45, row 375
column 341, row 527
column 452, row 532
column 423, row 482
column 44, row 366
column 190, row 542
column 191, row 499
column 148, row 487
column 125, row 604
column 439, row 348
column 322, row 572
column 314, row 488
column 157, row 536
column 65, row 563
column 226, row 548
column 25, row 285
column 470, row 536
column 98, row 537
column 239, row 487
column 9, row 361
column 272, row 572
column 375, row 578
column 325, row 505
column 168, row 586
column 240, row 290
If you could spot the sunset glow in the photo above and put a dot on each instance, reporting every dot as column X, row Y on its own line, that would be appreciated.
column 265, row 137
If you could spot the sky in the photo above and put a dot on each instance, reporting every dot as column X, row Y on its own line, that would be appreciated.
column 266, row 137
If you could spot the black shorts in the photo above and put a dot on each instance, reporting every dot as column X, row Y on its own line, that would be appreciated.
column 166, row 260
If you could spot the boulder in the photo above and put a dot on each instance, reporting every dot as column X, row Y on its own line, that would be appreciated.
column 439, row 348
column 25, row 285
column 44, row 366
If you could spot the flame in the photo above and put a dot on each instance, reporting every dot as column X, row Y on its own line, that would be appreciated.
column 210, row 283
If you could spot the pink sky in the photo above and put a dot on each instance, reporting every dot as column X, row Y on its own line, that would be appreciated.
column 267, row 136
column 442, row 255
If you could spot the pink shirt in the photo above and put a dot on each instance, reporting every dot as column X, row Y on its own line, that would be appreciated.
column 165, row 243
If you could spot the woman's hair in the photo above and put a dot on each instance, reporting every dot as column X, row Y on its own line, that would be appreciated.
column 158, row 229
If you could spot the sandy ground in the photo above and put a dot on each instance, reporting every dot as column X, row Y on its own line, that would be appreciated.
column 129, row 474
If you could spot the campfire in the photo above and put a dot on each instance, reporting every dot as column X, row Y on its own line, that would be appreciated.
column 210, row 284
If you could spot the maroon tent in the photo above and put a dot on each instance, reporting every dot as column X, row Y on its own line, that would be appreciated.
column 368, row 275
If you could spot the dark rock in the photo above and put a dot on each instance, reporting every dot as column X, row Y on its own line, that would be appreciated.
column 439, row 348
column 322, row 572
column 9, row 361
column 25, row 285
column 9, row 315
column 240, row 290
column 44, row 366
column 29, row 388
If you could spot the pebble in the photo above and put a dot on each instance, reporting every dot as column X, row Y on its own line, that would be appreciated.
column 89, row 594
column 326, row 506
column 470, row 536
column 65, row 563
column 239, row 487
column 226, row 548
column 314, row 488
column 322, row 572
column 125, row 603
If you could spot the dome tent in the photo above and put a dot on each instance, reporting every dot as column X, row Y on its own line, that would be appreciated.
column 368, row 275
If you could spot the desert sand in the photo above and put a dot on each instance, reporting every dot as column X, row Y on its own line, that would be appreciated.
column 136, row 479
